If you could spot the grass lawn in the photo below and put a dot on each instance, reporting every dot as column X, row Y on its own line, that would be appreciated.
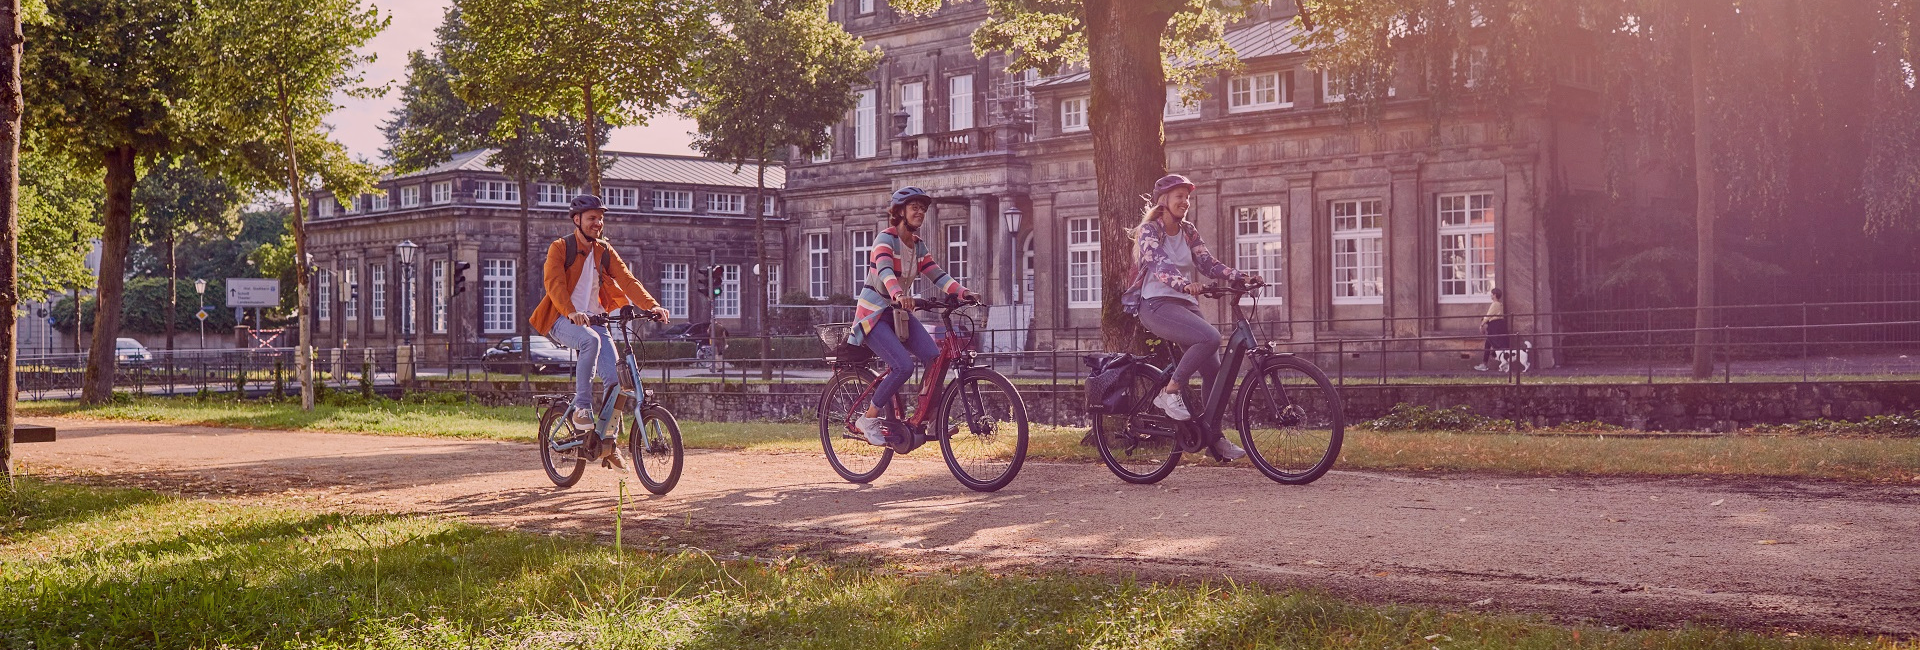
column 84, row 567
column 1845, row 458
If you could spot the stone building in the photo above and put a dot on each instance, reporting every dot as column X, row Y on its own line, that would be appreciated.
column 1397, row 229
column 668, row 216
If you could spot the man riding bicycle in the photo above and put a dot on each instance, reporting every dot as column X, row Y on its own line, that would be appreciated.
column 1168, row 255
column 585, row 277
column 884, row 320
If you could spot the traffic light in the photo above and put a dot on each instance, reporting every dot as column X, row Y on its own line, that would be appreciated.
column 714, row 275
column 703, row 277
column 460, row 277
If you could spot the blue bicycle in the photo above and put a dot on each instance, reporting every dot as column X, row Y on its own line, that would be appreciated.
column 627, row 410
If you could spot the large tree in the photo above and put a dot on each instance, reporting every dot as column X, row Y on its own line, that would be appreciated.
column 10, row 104
column 773, row 74
column 1126, row 46
column 179, row 196
column 602, row 61
column 434, row 122
column 287, row 69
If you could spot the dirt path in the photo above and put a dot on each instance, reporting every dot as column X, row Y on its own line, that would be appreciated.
column 1633, row 552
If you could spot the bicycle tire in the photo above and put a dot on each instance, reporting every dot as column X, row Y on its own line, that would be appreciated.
column 841, row 395
column 661, row 452
column 1285, row 445
column 985, row 431
column 555, row 419
column 1112, row 430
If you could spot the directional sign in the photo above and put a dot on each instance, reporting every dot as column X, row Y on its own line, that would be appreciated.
column 253, row 292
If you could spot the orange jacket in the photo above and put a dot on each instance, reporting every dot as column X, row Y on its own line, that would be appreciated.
column 624, row 289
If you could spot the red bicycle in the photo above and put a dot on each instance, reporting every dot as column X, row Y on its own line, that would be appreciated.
column 978, row 416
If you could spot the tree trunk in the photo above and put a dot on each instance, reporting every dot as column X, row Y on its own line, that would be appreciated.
column 173, row 289
column 759, row 209
column 98, row 388
column 1129, row 149
column 10, row 109
column 1706, row 199
column 593, row 145
column 303, row 354
column 520, row 273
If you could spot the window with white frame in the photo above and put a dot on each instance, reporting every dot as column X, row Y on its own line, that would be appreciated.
column 439, row 318
column 442, row 192
column 410, row 196
column 377, row 290
column 1179, row 108
column 323, row 295
column 621, row 197
column 496, row 296
column 825, row 154
column 1466, row 247
column 351, row 205
column 913, row 100
column 1259, row 246
column 1257, row 92
column 552, row 194
column 1333, row 88
column 724, row 203
column 496, row 192
column 959, row 102
column 673, row 200
column 766, row 205
column 865, row 145
column 773, row 284
column 1083, row 262
column 1473, row 72
column 1073, row 114
column 957, row 252
column 673, row 289
column 379, row 200
column 866, row 6
column 1357, row 246
column 862, row 241
column 323, row 207
column 349, row 304
column 819, row 266
column 728, row 305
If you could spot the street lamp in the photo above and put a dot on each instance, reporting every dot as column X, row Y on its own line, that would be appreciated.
column 200, row 287
column 405, row 250
column 1011, row 217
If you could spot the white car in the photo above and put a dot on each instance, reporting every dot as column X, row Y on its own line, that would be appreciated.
column 131, row 352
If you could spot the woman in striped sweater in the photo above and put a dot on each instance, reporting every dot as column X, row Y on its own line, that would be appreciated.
column 890, row 287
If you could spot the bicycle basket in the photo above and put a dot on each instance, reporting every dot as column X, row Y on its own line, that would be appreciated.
column 834, row 338
column 834, row 334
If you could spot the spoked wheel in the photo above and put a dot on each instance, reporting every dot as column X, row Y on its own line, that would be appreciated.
column 653, row 442
column 1291, row 420
column 982, row 426
column 1136, row 456
column 847, row 450
column 563, row 467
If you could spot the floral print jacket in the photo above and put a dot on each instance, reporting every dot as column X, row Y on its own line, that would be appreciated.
column 1150, row 261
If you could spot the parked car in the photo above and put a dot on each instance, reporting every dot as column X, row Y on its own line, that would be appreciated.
column 130, row 352
column 548, row 357
column 683, row 332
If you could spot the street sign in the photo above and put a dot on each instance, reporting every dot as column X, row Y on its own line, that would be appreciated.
column 253, row 292
column 202, row 315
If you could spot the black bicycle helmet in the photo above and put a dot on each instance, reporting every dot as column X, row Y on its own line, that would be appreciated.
column 909, row 194
column 583, row 203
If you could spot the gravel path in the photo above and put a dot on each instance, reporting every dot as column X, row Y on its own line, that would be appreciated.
column 1631, row 552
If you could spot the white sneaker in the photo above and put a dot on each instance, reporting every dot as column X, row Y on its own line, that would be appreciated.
column 871, row 427
column 1174, row 407
column 582, row 419
column 1225, row 448
column 1481, row 367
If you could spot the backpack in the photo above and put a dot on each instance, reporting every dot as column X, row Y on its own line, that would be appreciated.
column 573, row 252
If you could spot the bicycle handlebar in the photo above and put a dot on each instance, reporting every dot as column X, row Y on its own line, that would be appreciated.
column 949, row 303
column 626, row 314
column 1239, row 287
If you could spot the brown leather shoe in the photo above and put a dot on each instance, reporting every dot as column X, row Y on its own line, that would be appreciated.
column 612, row 458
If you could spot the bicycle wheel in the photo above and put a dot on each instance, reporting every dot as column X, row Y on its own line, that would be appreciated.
column 554, row 431
column 653, row 442
column 847, row 450
column 1291, row 420
column 1136, row 456
column 982, row 425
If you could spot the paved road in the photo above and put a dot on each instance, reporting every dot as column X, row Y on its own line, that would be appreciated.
column 1637, row 552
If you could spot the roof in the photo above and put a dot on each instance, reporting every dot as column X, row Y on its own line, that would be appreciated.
column 1259, row 40
column 642, row 167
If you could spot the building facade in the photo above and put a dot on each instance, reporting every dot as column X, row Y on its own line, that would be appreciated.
column 668, row 216
column 1397, row 228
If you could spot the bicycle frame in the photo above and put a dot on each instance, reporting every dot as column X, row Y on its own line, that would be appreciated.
column 613, row 390
column 956, row 348
column 1206, row 425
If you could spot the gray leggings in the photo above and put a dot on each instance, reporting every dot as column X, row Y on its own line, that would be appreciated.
column 1179, row 322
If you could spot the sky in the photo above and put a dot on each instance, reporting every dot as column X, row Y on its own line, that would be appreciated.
column 356, row 123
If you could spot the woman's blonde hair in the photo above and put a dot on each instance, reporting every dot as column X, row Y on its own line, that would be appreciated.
column 1147, row 215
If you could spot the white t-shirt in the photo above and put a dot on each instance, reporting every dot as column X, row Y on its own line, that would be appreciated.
column 586, row 292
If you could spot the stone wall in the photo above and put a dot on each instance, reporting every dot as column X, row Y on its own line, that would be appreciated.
column 1660, row 407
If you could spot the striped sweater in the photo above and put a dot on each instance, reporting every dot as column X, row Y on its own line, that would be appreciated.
column 884, row 273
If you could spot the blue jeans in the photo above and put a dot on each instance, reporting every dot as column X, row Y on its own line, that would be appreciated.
column 595, row 347
column 886, row 344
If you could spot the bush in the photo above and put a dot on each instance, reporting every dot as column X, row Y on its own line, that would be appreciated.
column 1880, row 426
column 1410, row 417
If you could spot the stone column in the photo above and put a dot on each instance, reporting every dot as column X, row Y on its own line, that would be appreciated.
column 980, row 246
column 1305, row 283
column 1006, row 260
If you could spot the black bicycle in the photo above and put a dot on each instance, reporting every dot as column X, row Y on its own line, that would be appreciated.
column 626, row 408
column 1288, row 414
